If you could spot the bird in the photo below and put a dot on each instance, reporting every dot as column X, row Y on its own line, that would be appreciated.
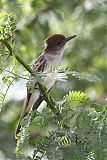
column 52, row 55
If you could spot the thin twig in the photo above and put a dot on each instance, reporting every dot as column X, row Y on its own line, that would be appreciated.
column 28, row 68
column 50, row 102
column 46, row 96
column 8, row 88
column 7, row 45
column 17, row 76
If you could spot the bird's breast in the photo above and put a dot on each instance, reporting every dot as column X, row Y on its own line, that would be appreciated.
column 53, row 59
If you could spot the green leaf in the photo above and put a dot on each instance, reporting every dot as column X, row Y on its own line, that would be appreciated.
column 84, row 76
column 76, row 96
column 2, row 14
column 2, row 97
column 98, row 107
column 4, row 80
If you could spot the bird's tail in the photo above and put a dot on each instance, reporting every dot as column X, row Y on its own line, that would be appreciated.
column 24, row 113
column 36, row 102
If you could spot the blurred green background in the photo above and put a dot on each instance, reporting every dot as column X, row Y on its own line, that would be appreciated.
column 37, row 19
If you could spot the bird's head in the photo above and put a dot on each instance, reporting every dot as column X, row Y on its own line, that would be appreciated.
column 57, row 41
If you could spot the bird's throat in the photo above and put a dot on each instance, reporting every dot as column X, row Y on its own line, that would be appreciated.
column 54, row 57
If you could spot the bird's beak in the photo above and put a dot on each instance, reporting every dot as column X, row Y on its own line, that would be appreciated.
column 69, row 38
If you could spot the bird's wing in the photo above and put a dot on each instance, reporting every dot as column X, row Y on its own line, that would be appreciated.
column 39, row 64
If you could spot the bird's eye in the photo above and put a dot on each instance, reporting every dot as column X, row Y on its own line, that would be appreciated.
column 59, row 42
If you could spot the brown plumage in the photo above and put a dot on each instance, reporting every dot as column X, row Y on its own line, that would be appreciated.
column 54, row 48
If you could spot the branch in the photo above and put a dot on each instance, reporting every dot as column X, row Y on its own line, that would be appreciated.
column 17, row 76
column 49, row 101
column 7, row 45
column 42, row 88
column 28, row 68
column 46, row 96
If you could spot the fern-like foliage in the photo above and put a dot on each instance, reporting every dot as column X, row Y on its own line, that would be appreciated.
column 7, row 25
column 2, row 97
column 76, row 96
column 61, row 74
column 82, row 140
column 23, row 138
column 8, row 82
column 53, row 141
column 84, row 76
column 8, row 78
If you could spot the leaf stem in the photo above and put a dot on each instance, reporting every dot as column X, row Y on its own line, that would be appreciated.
column 7, row 45
column 28, row 68
column 47, row 97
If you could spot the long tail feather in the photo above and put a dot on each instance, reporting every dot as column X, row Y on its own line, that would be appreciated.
column 24, row 113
